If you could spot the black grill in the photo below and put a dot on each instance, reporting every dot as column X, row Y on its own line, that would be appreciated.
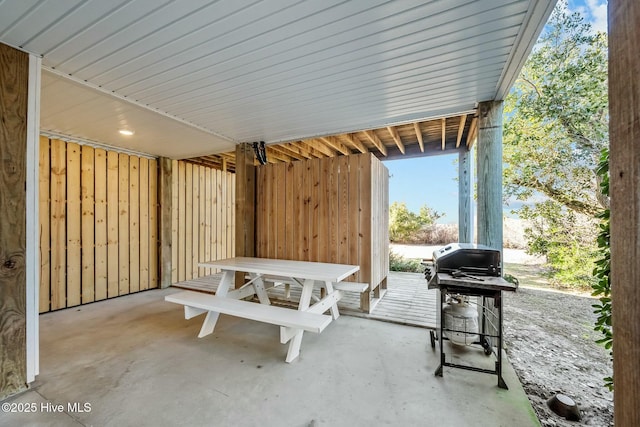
column 463, row 258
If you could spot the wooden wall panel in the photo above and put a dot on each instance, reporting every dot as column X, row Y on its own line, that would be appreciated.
column 14, row 79
column 144, row 224
column 123, row 224
column 88, row 225
column 174, row 221
column 73, row 226
column 326, row 210
column 44, row 188
column 153, row 224
column 188, row 220
column 203, row 218
column 134, row 224
column 112, row 224
column 99, row 222
column 98, row 230
column 182, row 235
column 207, row 215
column 58, row 225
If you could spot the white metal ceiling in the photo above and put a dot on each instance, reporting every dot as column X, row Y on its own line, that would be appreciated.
column 273, row 70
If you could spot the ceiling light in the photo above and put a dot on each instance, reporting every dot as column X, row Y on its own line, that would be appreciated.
column 126, row 132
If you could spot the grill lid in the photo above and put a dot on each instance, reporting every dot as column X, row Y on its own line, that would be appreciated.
column 467, row 257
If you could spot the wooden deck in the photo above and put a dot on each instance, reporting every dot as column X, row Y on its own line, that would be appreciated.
column 407, row 300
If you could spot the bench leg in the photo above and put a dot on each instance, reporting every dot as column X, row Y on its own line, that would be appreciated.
column 209, row 324
column 294, row 347
column 334, row 308
column 296, row 341
column 212, row 317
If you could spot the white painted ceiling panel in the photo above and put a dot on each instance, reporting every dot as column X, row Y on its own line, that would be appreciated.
column 229, row 71
column 71, row 109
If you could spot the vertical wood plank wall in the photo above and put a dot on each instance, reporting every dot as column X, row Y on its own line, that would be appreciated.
column 98, row 224
column 14, row 81
column 326, row 210
column 203, row 218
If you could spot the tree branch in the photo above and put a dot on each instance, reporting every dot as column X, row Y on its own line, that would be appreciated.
column 557, row 195
column 532, row 85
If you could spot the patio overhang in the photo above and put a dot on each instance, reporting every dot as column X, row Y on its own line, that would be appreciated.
column 195, row 78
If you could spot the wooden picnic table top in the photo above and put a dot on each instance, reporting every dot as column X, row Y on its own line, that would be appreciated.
column 326, row 272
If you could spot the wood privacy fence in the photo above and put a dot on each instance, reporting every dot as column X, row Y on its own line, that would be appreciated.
column 203, row 218
column 99, row 222
column 327, row 210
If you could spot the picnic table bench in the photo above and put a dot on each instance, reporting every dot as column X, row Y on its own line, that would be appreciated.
column 293, row 323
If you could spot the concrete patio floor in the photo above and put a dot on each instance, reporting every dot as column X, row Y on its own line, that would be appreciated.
column 136, row 361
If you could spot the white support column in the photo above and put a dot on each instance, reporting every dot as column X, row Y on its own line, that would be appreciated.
column 490, row 174
column 32, row 226
column 465, row 196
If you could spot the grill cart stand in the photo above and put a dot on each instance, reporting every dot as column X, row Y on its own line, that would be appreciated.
column 487, row 289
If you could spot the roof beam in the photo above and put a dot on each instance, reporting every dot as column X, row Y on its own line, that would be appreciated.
column 287, row 152
column 376, row 141
column 463, row 120
column 472, row 130
column 333, row 142
column 396, row 137
column 416, row 128
column 354, row 141
column 320, row 146
column 305, row 146
column 443, row 121
column 271, row 152
column 297, row 149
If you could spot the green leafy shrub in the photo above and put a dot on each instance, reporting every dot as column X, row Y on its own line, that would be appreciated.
column 602, row 271
column 567, row 240
column 399, row 263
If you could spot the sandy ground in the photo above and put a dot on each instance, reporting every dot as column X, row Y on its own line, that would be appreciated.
column 550, row 341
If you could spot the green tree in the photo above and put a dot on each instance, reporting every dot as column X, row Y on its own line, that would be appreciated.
column 556, row 125
column 556, row 140
column 403, row 223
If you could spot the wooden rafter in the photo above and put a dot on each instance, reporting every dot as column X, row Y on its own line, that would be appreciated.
column 463, row 120
column 396, row 137
column 472, row 131
column 333, row 142
column 320, row 146
column 375, row 140
column 285, row 150
column 355, row 142
column 276, row 154
column 430, row 138
column 298, row 150
column 418, row 131
column 305, row 146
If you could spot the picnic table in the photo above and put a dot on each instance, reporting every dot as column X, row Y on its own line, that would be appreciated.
column 262, row 273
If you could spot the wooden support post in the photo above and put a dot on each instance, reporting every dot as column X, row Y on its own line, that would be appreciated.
column 14, row 80
column 490, row 174
column 624, row 131
column 465, row 196
column 245, row 204
column 165, row 196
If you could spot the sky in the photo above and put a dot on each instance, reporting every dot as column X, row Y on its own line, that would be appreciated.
column 412, row 180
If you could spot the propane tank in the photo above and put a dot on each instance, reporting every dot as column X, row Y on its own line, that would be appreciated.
column 462, row 317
